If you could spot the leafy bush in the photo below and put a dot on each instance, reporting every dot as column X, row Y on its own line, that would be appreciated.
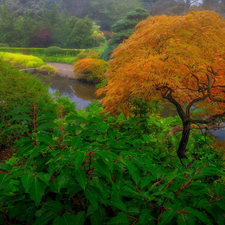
column 84, row 168
column 90, row 70
column 17, row 89
column 42, row 38
column 23, row 61
column 5, row 45
column 53, row 50
column 48, row 68
column 84, row 55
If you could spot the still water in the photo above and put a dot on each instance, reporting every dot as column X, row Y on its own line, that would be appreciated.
column 83, row 93
column 78, row 92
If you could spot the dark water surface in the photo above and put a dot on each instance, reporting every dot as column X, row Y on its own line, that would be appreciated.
column 78, row 92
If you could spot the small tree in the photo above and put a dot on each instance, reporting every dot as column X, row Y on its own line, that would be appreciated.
column 180, row 59
column 82, row 33
column 90, row 70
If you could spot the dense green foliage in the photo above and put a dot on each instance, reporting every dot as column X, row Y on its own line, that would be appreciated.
column 17, row 89
column 53, row 50
column 22, row 61
column 91, row 54
column 50, row 28
column 85, row 167
column 123, row 28
column 40, row 51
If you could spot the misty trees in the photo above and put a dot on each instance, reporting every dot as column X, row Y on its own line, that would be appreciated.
column 82, row 33
column 123, row 28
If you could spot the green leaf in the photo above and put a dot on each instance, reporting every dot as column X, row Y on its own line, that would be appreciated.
column 120, row 219
column 3, row 177
column 66, row 219
column 186, row 219
column 81, row 177
column 121, row 117
column 45, row 218
column 79, row 159
column 53, row 206
column 199, row 215
column 202, row 203
column 75, row 118
column 20, row 117
column 76, row 143
column 91, row 209
column 24, row 149
column 21, row 141
column 46, row 126
column 5, row 166
column 46, row 117
column 102, row 168
column 38, row 149
column 146, row 137
column 145, row 217
column 46, row 139
column 19, row 110
column 96, row 219
column 37, row 191
column 27, row 180
column 3, row 125
column 80, row 218
column 91, row 196
column 167, row 216
column 64, row 178
column 44, row 177
column 146, row 182
column 118, row 204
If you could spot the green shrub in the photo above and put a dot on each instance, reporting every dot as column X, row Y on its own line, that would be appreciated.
column 53, row 50
column 23, row 61
column 48, row 68
column 84, row 168
column 91, row 54
column 90, row 70
column 17, row 89
column 5, row 45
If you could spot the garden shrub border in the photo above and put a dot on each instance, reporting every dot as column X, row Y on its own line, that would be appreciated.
column 70, row 52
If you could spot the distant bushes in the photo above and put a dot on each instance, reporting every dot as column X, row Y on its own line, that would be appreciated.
column 53, row 50
column 84, row 55
column 4, row 45
column 90, row 70
column 37, row 51
column 24, row 61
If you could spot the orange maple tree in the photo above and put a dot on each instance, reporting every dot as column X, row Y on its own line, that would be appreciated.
column 177, row 58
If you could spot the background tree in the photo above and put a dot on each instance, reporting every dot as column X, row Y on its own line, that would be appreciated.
column 123, row 28
column 82, row 33
column 180, row 59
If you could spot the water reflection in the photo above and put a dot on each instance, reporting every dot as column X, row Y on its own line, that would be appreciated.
column 81, row 93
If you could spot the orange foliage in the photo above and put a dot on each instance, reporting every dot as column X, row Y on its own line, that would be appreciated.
column 91, row 70
column 182, row 57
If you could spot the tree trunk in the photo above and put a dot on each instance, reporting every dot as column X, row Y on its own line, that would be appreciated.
column 184, row 140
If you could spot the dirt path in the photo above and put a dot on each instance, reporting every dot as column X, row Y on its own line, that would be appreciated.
column 65, row 70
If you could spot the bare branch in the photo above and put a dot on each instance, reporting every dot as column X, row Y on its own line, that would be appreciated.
column 178, row 128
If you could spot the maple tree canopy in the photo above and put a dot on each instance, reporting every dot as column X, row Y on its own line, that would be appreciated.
column 181, row 55
column 178, row 58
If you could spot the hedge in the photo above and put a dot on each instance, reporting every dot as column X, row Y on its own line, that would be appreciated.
column 71, row 52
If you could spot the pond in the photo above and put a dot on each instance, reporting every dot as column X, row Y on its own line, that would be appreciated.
column 78, row 92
